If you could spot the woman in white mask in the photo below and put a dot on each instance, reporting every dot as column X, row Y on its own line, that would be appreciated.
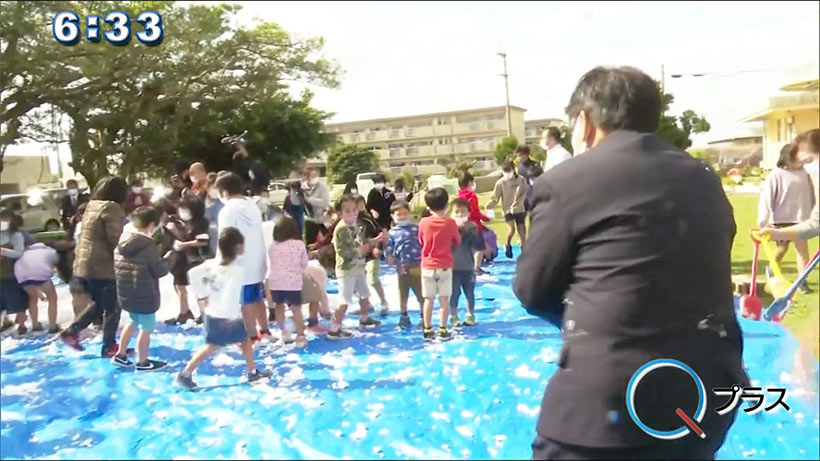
column 191, row 243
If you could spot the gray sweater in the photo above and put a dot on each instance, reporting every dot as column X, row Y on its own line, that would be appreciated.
column 787, row 197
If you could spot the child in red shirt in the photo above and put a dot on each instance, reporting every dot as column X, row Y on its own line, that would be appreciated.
column 467, row 193
column 438, row 234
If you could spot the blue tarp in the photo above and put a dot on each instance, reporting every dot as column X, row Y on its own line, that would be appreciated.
column 383, row 394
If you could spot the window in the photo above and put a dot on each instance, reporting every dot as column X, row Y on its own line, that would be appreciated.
column 443, row 121
column 395, row 133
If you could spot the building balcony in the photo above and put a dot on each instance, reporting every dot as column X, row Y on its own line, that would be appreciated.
column 419, row 131
column 807, row 100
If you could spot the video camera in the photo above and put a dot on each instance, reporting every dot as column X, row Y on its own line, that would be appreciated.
column 234, row 140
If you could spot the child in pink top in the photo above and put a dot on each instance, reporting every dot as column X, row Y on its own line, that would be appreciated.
column 287, row 260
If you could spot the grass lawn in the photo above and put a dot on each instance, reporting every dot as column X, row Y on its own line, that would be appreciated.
column 802, row 319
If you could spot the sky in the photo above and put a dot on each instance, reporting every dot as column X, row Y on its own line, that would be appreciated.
column 404, row 58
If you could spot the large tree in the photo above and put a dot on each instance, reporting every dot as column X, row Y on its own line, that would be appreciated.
column 344, row 162
column 678, row 129
column 131, row 106
column 504, row 149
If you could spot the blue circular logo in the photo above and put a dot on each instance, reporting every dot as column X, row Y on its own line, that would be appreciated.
column 641, row 374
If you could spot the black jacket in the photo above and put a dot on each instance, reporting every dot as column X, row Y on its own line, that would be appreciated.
column 68, row 209
column 381, row 201
column 630, row 254
column 138, row 267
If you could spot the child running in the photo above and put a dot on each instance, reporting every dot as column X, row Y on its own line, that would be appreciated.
column 34, row 271
column 463, row 259
column 511, row 189
column 404, row 251
column 438, row 234
column 351, row 247
column 287, row 260
column 467, row 193
column 138, row 267
column 217, row 285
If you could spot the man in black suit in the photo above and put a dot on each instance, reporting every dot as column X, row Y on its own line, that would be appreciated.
column 631, row 258
column 70, row 203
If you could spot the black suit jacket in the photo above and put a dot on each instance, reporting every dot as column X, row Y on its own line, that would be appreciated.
column 67, row 209
column 629, row 253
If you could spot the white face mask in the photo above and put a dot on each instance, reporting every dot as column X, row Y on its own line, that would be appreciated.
column 379, row 186
column 508, row 175
column 73, row 192
column 137, row 190
column 4, row 226
column 460, row 220
column 185, row 215
column 313, row 181
column 400, row 195
column 472, row 187
column 213, row 193
column 354, row 191
column 328, row 224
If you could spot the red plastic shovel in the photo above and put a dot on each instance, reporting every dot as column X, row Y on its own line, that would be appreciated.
column 750, row 305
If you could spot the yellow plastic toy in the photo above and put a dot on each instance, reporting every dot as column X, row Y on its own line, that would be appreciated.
column 776, row 286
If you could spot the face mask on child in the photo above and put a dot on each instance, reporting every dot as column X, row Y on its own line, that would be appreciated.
column 460, row 220
column 472, row 187
column 508, row 175
column 4, row 226
column 379, row 186
column 350, row 218
column 354, row 191
column 185, row 215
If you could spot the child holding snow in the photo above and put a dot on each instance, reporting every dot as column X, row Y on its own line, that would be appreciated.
column 217, row 285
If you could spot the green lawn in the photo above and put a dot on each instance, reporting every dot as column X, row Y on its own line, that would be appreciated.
column 802, row 318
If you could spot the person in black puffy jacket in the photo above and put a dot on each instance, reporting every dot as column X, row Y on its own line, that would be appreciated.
column 138, row 266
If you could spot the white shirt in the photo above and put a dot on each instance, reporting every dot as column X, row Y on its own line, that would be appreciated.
column 222, row 285
column 243, row 214
column 555, row 156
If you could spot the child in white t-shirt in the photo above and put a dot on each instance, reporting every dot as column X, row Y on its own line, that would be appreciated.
column 217, row 284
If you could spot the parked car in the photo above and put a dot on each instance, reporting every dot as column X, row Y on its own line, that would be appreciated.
column 278, row 192
column 39, row 211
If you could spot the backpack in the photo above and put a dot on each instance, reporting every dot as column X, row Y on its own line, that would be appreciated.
column 491, row 243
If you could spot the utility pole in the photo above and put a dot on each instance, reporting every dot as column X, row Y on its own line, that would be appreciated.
column 507, row 92
column 663, row 78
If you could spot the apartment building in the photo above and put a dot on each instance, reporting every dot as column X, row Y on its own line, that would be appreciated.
column 431, row 139
column 534, row 128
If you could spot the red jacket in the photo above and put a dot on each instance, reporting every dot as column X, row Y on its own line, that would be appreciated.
column 476, row 216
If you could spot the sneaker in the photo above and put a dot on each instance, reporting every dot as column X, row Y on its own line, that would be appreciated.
column 455, row 322
column 186, row 382
column 804, row 288
column 36, row 328
column 151, row 365
column 385, row 310
column 428, row 333
column 258, row 374
column 71, row 340
column 404, row 321
column 470, row 320
column 21, row 329
column 121, row 362
column 286, row 338
column 54, row 329
column 369, row 322
column 443, row 333
column 266, row 334
column 300, row 341
column 339, row 334
column 181, row 319
column 509, row 252
column 480, row 271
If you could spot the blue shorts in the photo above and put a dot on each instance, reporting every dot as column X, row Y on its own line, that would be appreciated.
column 253, row 293
column 36, row 283
column 223, row 332
column 291, row 298
column 145, row 322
